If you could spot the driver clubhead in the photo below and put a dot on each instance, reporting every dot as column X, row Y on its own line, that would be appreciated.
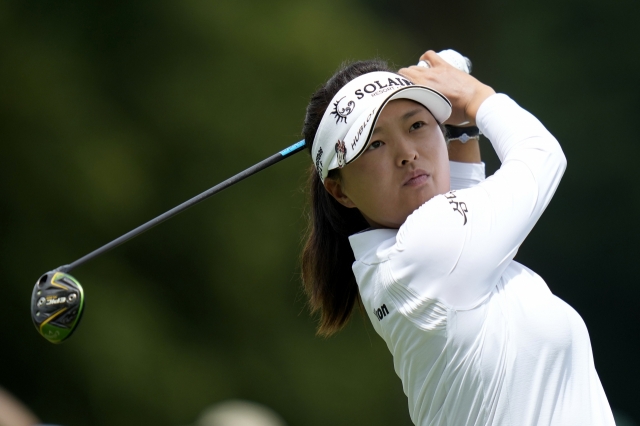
column 57, row 304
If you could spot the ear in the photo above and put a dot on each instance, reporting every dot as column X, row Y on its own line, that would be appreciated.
column 334, row 187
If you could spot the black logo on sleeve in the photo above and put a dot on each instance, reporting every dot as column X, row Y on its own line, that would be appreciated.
column 458, row 206
column 341, row 113
column 381, row 312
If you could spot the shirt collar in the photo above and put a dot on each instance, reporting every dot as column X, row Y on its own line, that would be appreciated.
column 369, row 239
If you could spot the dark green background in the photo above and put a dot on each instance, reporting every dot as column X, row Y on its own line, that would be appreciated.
column 113, row 112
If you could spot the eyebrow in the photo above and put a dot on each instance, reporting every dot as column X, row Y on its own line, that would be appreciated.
column 411, row 113
column 407, row 115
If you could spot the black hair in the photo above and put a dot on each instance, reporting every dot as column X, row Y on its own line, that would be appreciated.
column 327, row 256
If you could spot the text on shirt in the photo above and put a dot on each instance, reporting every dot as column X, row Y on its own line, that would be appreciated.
column 381, row 312
column 458, row 206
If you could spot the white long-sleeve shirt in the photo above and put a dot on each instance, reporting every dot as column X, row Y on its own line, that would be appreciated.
column 477, row 338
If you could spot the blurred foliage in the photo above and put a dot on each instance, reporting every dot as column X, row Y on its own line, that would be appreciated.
column 113, row 112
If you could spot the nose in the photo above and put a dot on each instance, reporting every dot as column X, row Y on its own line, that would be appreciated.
column 406, row 152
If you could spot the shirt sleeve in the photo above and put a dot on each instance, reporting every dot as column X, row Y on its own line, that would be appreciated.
column 455, row 247
column 465, row 175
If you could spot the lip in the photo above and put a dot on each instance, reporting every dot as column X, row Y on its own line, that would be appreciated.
column 416, row 178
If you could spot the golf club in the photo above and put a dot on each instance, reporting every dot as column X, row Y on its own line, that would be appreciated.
column 57, row 300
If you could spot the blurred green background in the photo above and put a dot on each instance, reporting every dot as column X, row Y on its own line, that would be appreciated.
column 112, row 112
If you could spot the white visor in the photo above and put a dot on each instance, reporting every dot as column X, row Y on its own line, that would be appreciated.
column 348, row 122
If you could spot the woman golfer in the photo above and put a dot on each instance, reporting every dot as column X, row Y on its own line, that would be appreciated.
column 477, row 338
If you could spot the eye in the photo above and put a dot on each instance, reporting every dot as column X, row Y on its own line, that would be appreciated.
column 375, row 145
column 417, row 125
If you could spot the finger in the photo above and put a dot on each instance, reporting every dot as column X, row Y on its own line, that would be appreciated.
column 433, row 59
column 415, row 69
column 405, row 72
column 412, row 72
column 425, row 56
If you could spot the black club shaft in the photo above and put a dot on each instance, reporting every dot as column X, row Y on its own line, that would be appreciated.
column 275, row 158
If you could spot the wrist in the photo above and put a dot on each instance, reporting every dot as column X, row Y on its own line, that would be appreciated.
column 481, row 94
column 462, row 134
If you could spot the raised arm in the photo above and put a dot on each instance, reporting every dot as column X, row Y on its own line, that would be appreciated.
column 455, row 247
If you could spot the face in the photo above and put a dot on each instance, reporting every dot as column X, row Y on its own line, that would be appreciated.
column 404, row 165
